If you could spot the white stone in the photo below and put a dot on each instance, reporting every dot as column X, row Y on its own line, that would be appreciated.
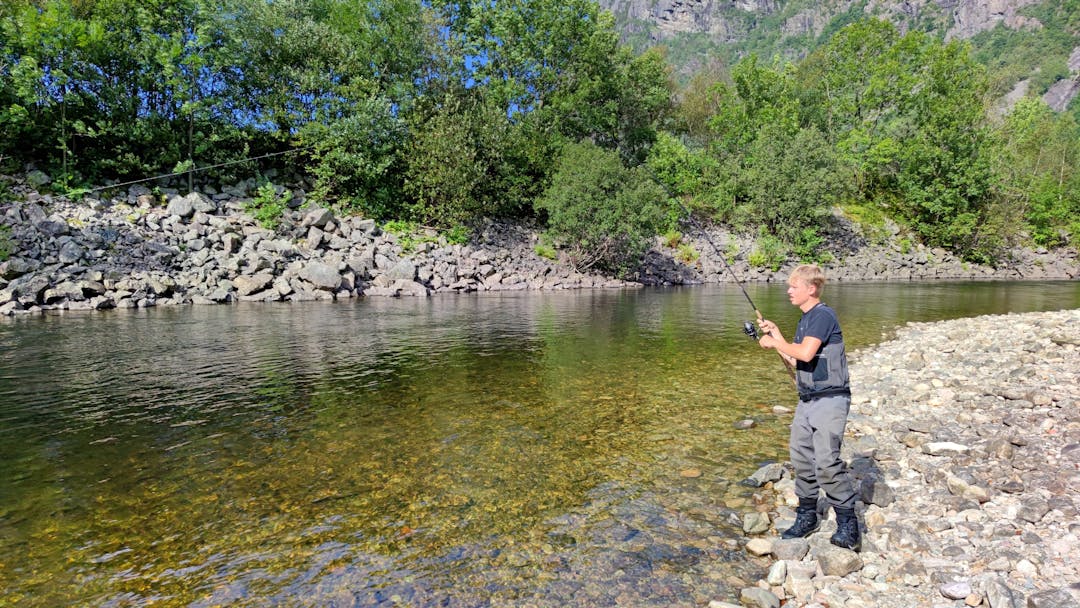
column 1027, row 568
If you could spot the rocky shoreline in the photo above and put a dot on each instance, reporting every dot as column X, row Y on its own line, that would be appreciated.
column 964, row 438
column 142, row 248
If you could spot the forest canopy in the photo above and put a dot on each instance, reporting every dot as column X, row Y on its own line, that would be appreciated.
column 445, row 112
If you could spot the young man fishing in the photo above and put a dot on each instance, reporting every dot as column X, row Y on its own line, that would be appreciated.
column 824, row 399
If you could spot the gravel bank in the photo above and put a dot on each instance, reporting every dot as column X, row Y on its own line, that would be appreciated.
column 964, row 437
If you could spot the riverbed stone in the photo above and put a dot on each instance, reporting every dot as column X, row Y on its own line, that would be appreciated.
column 837, row 561
column 756, row 522
column 1053, row 598
column 249, row 284
column 759, row 546
column 956, row 590
column 755, row 597
column 777, row 574
column 765, row 474
column 874, row 491
column 1033, row 509
column 1001, row 595
column 790, row 549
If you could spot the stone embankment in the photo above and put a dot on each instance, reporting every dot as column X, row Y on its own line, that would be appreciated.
column 139, row 248
column 964, row 439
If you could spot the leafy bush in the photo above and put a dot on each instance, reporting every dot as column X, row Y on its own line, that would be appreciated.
column 458, row 235
column 353, row 160
column 769, row 252
column 268, row 205
column 1036, row 158
column 604, row 212
column 808, row 246
column 406, row 233
column 410, row 234
column 672, row 238
column 789, row 182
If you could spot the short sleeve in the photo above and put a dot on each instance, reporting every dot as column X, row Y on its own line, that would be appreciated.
column 820, row 324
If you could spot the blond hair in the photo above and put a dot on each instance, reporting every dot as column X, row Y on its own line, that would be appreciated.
column 811, row 274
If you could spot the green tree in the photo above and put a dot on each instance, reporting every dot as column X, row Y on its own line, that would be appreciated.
column 645, row 103
column 558, row 72
column 697, row 102
column 460, row 163
column 789, row 183
column 354, row 159
column 1037, row 162
column 604, row 213
column 906, row 115
column 850, row 87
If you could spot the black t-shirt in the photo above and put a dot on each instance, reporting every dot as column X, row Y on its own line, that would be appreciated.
column 826, row 373
column 819, row 322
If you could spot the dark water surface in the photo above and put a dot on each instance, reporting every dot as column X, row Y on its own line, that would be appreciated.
column 543, row 449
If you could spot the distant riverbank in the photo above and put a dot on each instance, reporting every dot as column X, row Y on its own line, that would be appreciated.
column 139, row 249
column 964, row 438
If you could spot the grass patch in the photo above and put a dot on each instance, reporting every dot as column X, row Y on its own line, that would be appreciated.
column 546, row 247
column 672, row 239
column 687, row 254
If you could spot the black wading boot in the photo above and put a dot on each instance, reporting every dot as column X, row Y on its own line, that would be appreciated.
column 847, row 530
column 806, row 520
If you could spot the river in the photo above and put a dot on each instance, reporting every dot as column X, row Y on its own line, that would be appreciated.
column 531, row 449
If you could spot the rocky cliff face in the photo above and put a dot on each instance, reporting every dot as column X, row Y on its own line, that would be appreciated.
column 730, row 22
column 727, row 18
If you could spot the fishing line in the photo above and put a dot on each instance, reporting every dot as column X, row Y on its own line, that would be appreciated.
column 748, row 327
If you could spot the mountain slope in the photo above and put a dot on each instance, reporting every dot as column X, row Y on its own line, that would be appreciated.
column 1030, row 46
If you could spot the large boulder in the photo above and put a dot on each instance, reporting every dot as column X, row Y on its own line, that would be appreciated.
column 317, row 218
column 322, row 276
column 249, row 284
column 201, row 203
column 17, row 267
column 30, row 288
column 64, row 291
column 53, row 227
column 71, row 252
column 403, row 270
column 180, row 206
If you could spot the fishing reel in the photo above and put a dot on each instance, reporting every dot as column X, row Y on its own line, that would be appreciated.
column 750, row 330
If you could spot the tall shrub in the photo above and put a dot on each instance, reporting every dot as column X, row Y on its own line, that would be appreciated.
column 603, row 213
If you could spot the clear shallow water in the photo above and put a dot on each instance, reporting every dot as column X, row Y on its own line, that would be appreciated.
column 520, row 449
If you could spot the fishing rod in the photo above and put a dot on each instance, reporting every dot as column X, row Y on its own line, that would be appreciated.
column 748, row 327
